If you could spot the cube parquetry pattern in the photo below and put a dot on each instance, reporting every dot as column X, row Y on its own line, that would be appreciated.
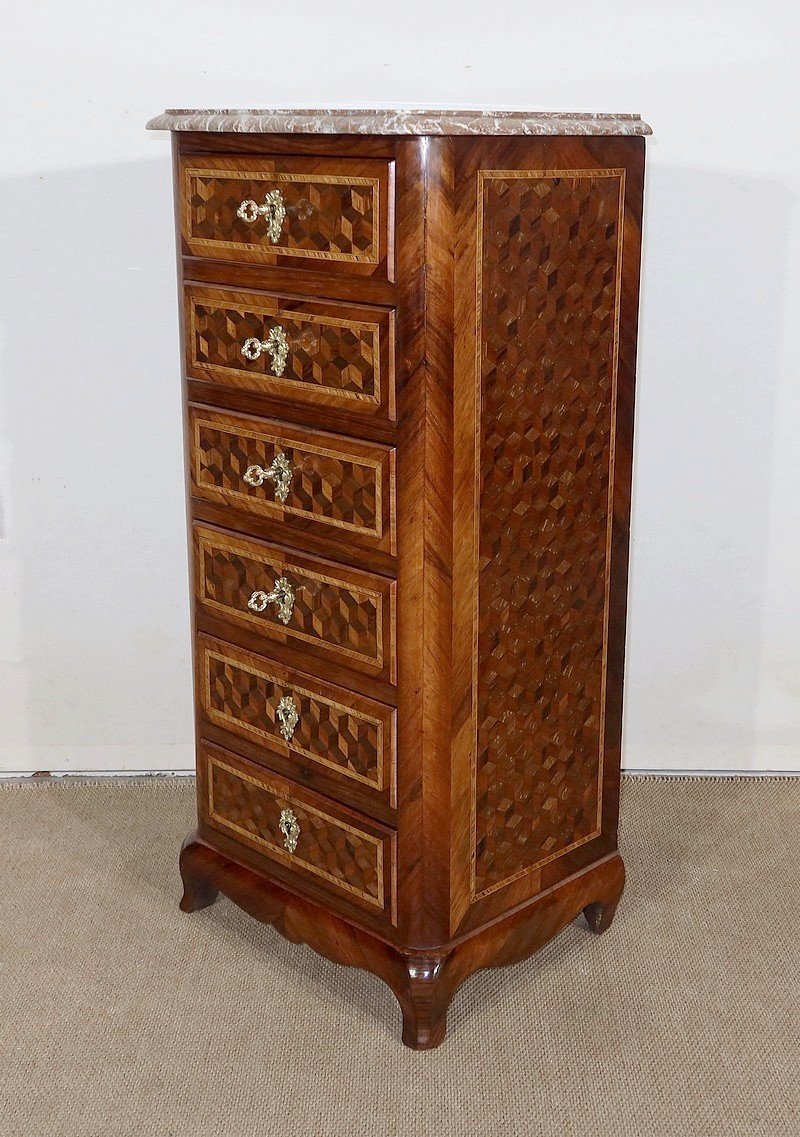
column 331, row 216
column 246, row 700
column 339, row 357
column 549, row 264
column 330, row 488
column 325, row 847
column 324, row 611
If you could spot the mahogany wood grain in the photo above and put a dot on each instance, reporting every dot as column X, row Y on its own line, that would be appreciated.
column 304, row 536
column 295, row 655
column 268, row 404
column 313, row 145
column 425, row 384
column 298, row 281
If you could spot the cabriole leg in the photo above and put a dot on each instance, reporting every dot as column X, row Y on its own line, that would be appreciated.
column 424, row 994
column 199, row 890
column 600, row 913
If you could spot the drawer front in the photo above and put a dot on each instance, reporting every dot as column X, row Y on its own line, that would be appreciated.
column 310, row 353
column 299, row 717
column 313, row 213
column 337, row 613
column 319, row 843
column 296, row 476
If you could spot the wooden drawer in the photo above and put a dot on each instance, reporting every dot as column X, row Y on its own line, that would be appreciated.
column 335, row 613
column 311, row 213
column 337, row 737
column 306, row 352
column 302, row 478
column 310, row 841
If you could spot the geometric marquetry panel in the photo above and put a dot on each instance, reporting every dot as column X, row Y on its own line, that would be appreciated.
column 334, row 211
column 329, row 484
column 549, row 265
column 333, row 355
column 345, row 732
column 247, row 804
column 347, row 614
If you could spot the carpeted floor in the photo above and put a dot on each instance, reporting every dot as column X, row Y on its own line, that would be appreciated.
column 119, row 1015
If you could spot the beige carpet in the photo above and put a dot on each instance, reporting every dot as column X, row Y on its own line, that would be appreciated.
column 121, row 1015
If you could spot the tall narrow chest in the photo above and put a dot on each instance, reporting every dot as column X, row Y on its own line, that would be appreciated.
column 408, row 344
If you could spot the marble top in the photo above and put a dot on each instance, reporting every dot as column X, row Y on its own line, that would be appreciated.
column 343, row 120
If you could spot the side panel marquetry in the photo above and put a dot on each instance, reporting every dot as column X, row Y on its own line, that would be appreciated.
column 332, row 848
column 542, row 474
column 338, row 613
column 549, row 266
column 335, row 212
column 350, row 736
column 336, row 485
column 337, row 356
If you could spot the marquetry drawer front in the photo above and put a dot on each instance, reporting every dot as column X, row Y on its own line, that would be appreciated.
column 300, row 477
column 337, row 613
column 298, row 716
column 315, row 354
column 316, row 840
column 312, row 213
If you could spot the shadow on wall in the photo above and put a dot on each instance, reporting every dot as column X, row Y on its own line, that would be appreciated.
column 709, row 373
column 96, row 631
column 96, row 651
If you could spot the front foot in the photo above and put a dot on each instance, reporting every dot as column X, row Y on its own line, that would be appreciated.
column 599, row 915
column 424, row 996
column 199, row 890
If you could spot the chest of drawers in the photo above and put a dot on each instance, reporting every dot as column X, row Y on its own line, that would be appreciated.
column 409, row 350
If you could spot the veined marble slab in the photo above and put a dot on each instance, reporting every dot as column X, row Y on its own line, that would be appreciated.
column 346, row 121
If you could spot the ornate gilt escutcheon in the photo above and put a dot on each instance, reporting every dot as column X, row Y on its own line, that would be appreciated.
column 290, row 828
column 280, row 472
column 273, row 211
column 276, row 345
column 287, row 716
column 282, row 595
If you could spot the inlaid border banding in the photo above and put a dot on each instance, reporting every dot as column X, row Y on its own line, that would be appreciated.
column 279, row 851
column 264, row 505
column 515, row 174
column 277, row 567
column 222, row 717
column 370, row 257
column 282, row 381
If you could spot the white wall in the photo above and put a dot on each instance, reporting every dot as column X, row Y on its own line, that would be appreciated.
column 94, row 624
